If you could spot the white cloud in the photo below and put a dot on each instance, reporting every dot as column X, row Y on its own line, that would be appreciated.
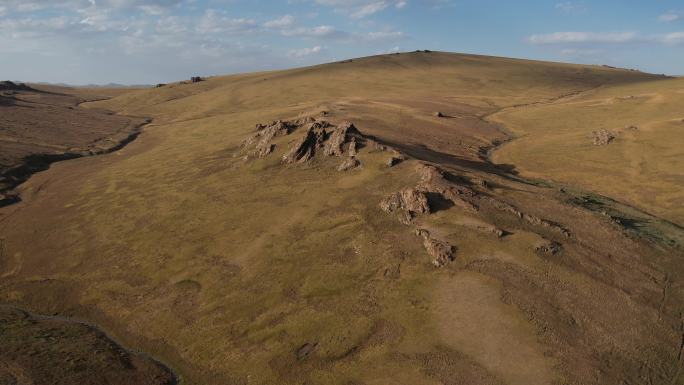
column 298, row 53
column 673, row 38
column 583, row 37
column 152, row 9
column 369, row 9
column 375, row 36
column 670, row 17
column 578, row 52
column 35, row 28
column 571, row 7
column 127, row 38
column 281, row 22
column 213, row 22
column 359, row 9
column 602, row 38
column 321, row 32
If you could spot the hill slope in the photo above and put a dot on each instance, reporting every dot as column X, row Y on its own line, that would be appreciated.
column 243, row 255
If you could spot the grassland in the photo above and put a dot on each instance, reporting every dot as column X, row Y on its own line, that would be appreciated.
column 42, row 124
column 643, row 166
column 235, row 271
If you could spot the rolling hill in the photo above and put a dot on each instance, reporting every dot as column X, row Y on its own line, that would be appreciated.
column 344, row 224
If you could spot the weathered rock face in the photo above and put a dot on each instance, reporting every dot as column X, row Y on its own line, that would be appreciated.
column 333, row 140
column 396, row 158
column 414, row 201
column 433, row 180
column 348, row 164
column 441, row 251
column 305, row 148
column 352, row 147
column 264, row 136
column 340, row 135
column 547, row 248
column 410, row 200
column 603, row 137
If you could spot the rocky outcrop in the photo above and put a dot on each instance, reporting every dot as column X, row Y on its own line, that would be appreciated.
column 348, row 164
column 602, row 137
column 441, row 252
column 306, row 147
column 261, row 140
column 410, row 200
column 338, row 137
column 396, row 158
column 434, row 180
column 547, row 248
column 341, row 140
column 352, row 147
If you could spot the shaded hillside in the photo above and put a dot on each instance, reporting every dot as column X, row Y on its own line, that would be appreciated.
column 43, row 124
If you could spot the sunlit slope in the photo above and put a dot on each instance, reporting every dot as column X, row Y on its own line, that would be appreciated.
column 481, row 80
column 644, row 163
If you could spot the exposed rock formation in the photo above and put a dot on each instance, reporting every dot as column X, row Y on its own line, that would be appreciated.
column 433, row 180
column 603, row 137
column 339, row 136
column 396, row 158
column 440, row 115
column 332, row 140
column 547, row 248
column 349, row 164
column 352, row 147
column 410, row 200
column 264, row 136
column 305, row 147
column 442, row 252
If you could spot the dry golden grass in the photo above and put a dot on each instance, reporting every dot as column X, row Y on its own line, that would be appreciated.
column 225, row 269
column 643, row 166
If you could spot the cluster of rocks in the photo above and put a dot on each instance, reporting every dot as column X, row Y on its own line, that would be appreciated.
column 320, row 136
column 410, row 202
column 436, row 185
column 441, row 251
column 547, row 248
column 436, row 181
column 602, row 137
column 261, row 140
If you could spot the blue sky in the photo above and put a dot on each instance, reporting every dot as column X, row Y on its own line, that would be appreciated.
column 151, row 41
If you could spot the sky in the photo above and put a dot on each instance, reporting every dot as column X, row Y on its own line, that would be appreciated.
column 155, row 41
